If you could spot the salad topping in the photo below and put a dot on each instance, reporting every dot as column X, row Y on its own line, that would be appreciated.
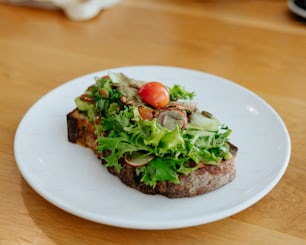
column 152, row 127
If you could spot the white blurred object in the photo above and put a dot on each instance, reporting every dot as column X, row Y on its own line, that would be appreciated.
column 74, row 9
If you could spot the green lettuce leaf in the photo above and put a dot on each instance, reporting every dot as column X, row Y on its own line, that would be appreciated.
column 163, row 169
column 177, row 92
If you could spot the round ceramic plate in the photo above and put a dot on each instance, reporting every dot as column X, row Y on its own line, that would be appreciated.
column 73, row 179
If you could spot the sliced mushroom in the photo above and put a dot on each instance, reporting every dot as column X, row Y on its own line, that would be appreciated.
column 119, row 79
column 129, row 95
column 182, row 106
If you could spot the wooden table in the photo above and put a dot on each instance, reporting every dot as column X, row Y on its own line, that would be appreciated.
column 258, row 44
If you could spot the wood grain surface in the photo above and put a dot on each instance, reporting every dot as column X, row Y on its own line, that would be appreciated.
column 258, row 44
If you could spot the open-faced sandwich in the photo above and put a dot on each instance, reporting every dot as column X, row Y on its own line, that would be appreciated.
column 152, row 137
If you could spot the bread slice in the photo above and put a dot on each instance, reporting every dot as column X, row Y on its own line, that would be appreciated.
column 204, row 179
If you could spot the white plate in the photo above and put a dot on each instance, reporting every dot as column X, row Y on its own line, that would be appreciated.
column 71, row 177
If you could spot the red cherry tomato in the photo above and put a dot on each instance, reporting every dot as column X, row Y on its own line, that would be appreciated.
column 106, row 77
column 155, row 94
column 146, row 112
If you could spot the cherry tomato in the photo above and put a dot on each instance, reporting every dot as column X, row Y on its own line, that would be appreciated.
column 155, row 94
column 146, row 112
column 106, row 77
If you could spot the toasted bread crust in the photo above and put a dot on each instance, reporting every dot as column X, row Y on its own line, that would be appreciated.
column 204, row 179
